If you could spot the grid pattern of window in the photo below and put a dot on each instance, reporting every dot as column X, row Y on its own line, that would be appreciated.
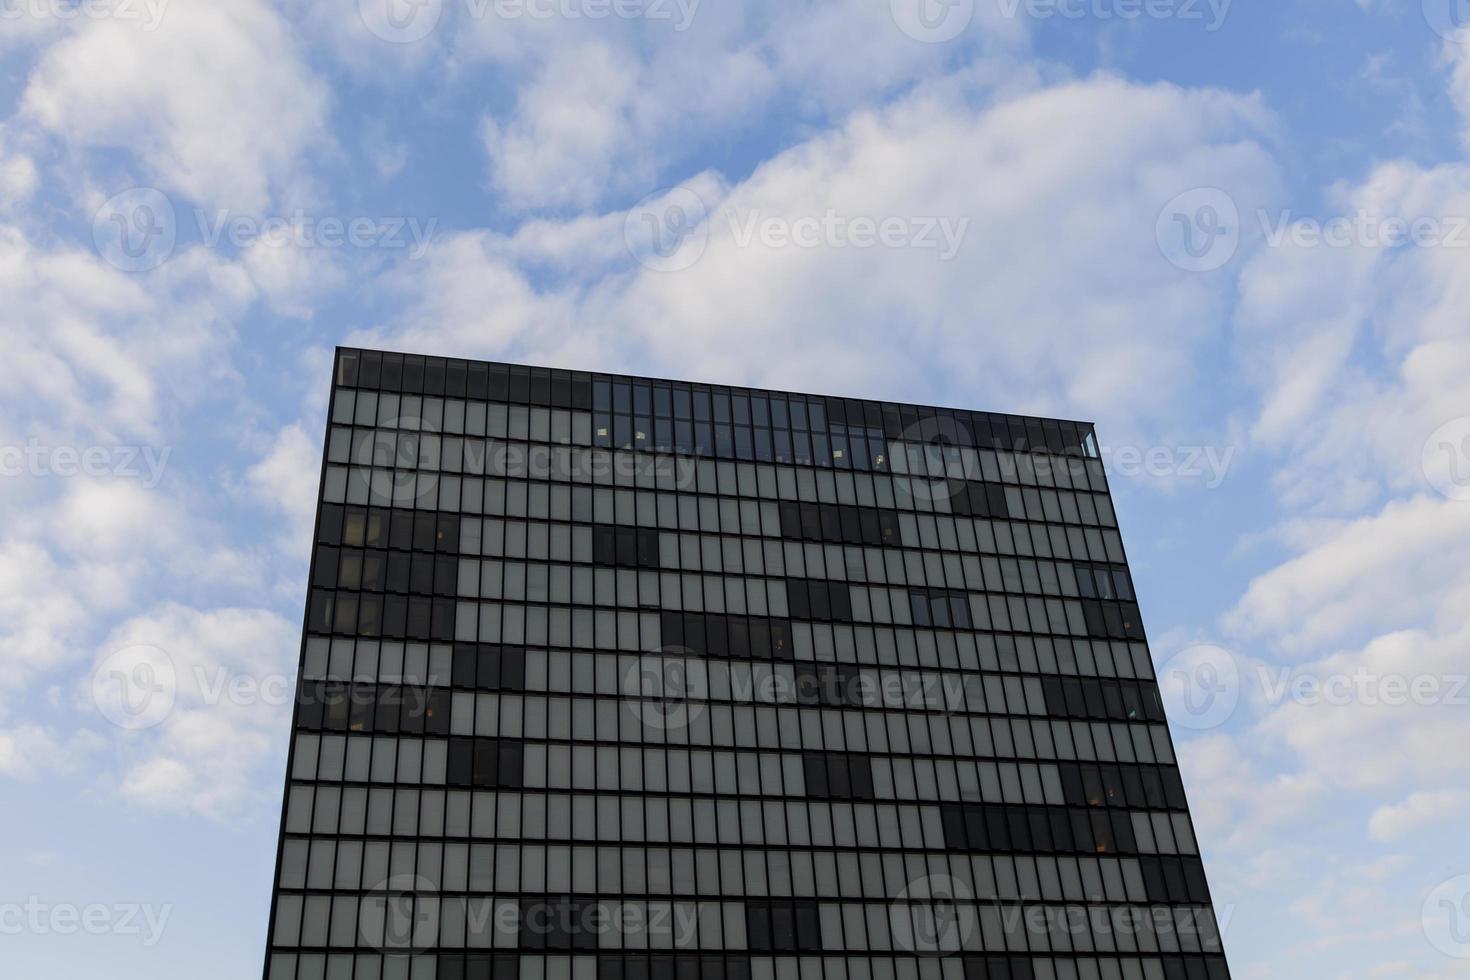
column 606, row 678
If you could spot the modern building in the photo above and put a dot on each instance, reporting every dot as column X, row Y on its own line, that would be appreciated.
column 613, row 678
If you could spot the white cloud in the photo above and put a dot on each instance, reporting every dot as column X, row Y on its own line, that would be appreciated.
column 1353, row 906
column 287, row 478
column 234, row 671
column 294, row 278
column 88, row 550
column 112, row 519
column 388, row 155
column 572, row 128
column 42, row 613
column 1373, row 716
column 29, row 25
column 1419, row 810
column 605, row 107
column 1062, row 185
column 1360, row 351
column 1384, row 714
column 160, row 779
column 1241, row 803
column 1386, row 571
column 216, row 102
column 86, row 342
column 469, row 296
column 18, row 176
column 1057, row 302
column 74, row 356
column 30, row 751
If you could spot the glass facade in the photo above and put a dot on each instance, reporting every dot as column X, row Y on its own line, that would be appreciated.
column 609, row 678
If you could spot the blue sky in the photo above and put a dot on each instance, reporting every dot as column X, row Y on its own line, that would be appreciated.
column 1237, row 236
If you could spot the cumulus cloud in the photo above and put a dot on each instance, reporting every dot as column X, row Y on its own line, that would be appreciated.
column 88, row 341
column 1056, row 299
column 1378, row 718
column 1357, row 344
column 604, row 107
column 1388, row 570
column 177, row 98
column 998, row 203
column 286, row 480
column 228, row 685
column 41, row 613
column 1417, row 811
column 31, row 751
column 571, row 129
column 18, row 176
column 1237, row 801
